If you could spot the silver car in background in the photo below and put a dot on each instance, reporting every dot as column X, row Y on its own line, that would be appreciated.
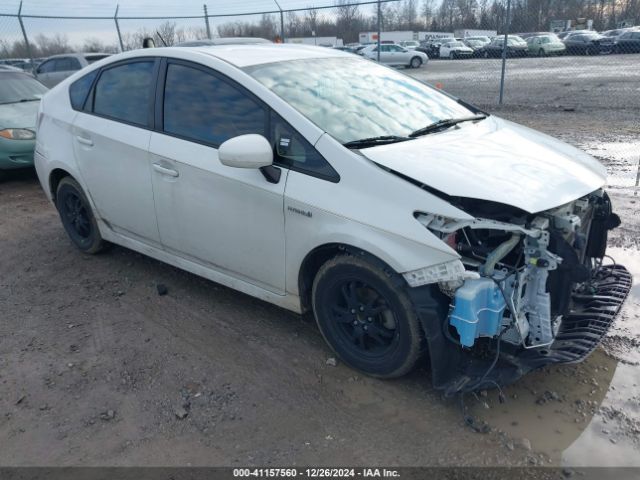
column 395, row 55
column 58, row 67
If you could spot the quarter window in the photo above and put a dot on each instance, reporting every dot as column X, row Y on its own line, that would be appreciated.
column 124, row 92
column 199, row 105
column 293, row 151
column 79, row 90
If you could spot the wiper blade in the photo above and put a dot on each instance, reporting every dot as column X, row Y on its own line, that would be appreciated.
column 20, row 101
column 446, row 123
column 373, row 141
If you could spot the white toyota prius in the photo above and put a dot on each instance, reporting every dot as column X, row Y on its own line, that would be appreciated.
column 409, row 222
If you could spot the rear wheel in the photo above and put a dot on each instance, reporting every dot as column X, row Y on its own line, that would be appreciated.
column 366, row 317
column 77, row 217
column 415, row 62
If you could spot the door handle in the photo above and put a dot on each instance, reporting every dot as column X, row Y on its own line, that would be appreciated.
column 165, row 171
column 84, row 141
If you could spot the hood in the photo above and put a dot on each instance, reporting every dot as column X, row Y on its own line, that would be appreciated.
column 19, row 115
column 495, row 160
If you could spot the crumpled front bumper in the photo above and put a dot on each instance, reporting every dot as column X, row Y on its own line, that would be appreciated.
column 455, row 370
column 588, row 322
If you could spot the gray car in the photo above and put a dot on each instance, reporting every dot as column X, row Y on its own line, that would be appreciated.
column 58, row 67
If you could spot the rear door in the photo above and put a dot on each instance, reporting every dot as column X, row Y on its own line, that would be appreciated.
column 111, row 137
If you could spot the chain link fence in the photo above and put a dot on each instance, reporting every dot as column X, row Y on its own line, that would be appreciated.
column 588, row 97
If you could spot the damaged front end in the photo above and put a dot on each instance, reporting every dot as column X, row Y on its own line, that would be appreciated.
column 528, row 290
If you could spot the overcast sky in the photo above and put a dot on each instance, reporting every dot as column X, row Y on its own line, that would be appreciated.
column 78, row 30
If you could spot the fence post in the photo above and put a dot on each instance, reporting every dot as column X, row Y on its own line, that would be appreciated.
column 24, row 35
column 504, row 51
column 115, row 19
column 206, row 21
column 379, row 29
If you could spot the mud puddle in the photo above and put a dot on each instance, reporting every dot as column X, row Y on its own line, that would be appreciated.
column 579, row 415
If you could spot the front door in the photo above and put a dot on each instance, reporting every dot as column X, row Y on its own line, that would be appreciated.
column 111, row 143
column 230, row 219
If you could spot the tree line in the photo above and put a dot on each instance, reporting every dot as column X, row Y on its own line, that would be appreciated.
column 346, row 21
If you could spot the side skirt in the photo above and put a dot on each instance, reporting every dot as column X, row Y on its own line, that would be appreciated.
column 288, row 301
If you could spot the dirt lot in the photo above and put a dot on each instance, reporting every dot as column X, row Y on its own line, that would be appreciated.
column 96, row 367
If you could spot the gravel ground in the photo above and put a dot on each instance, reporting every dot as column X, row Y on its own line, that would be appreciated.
column 97, row 369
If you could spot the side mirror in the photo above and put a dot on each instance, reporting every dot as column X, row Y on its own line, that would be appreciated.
column 246, row 151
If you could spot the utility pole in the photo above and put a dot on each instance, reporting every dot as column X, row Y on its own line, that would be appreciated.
column 115, row 19
column 504, row 51
column 281, row 21
column 206, row 21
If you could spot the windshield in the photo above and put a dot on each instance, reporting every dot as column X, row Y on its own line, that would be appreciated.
column 353, row 99
column 16, row 87
column 455, row 44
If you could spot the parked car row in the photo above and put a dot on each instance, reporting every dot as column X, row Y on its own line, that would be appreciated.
column 527, row 44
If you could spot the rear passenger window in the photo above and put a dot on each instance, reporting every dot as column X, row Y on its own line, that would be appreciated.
column 67, row 64
column 124, row 92
column 200, row 106
column 79, row 90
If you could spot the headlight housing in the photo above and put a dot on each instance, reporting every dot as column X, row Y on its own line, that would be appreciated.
column 18, row 134
column 443, row 272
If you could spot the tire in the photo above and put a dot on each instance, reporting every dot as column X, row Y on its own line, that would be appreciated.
column 77, row 218
column 541, row 52
column 415, row 62
column 452, row 56
column 486, row 54
column 365, row 315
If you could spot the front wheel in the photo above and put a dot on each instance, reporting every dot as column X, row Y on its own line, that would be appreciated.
column 77, row 217
column 416, row 62
column 366, row 316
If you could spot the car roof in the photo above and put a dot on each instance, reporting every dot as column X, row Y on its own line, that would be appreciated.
column 224, row 41
column 77, row 54
column 247, row 55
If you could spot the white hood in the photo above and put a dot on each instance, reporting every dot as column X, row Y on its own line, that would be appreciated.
column 496, row 160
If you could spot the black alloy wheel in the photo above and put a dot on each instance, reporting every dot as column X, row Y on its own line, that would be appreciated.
column 76, row 216
column 365, row 315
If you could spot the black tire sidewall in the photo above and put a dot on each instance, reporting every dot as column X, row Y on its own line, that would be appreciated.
column 406, row 349
column 91, row 243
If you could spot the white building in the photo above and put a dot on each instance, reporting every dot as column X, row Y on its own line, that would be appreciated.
column 401, row 36
column 319, row 41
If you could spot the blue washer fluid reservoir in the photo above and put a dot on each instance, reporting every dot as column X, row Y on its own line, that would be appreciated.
column 478, row 307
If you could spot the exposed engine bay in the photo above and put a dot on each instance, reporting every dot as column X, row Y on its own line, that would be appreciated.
column 533, row 285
